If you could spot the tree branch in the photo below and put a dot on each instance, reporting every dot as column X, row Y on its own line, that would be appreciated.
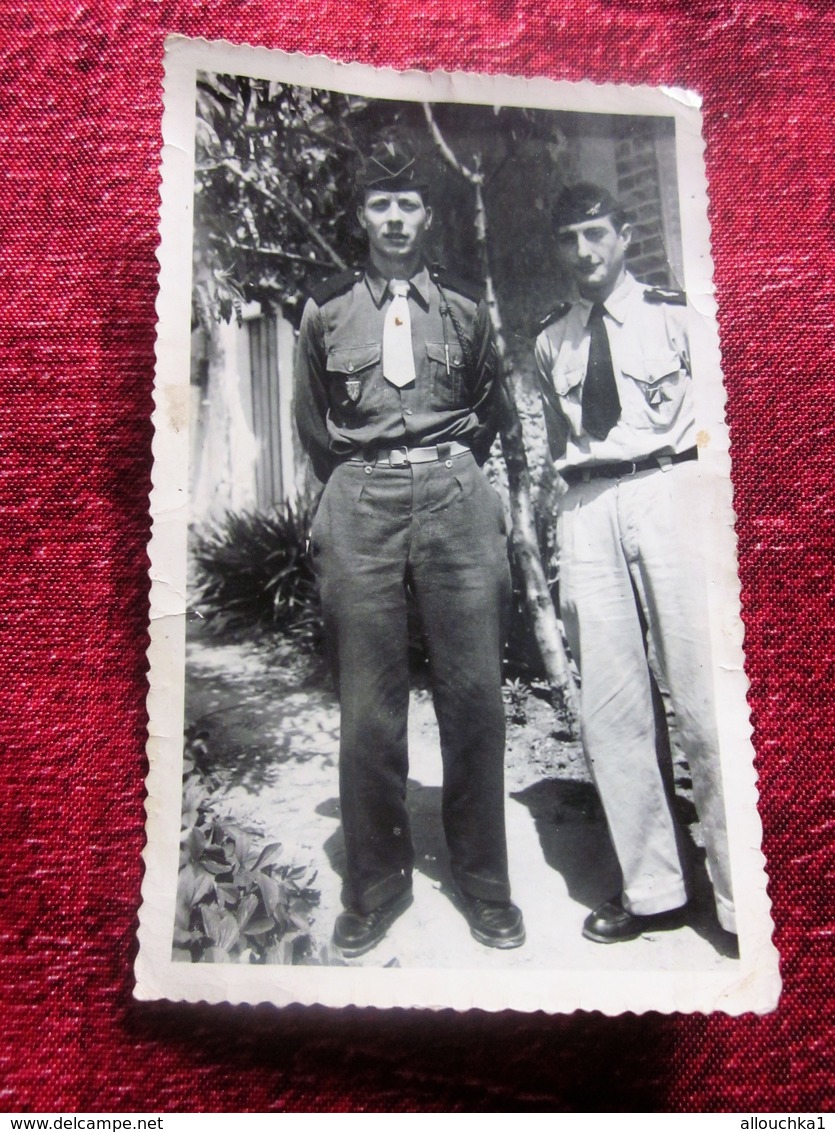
column 261, row 249
column 474, row 177
column 537, row 594
column 281, row 201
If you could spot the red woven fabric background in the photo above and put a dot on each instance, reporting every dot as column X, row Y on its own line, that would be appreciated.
column 80, row 121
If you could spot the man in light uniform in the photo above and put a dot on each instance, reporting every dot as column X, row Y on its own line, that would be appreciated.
column 614, row 373
column 397, row 394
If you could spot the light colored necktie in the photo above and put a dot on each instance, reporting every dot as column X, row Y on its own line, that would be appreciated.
column 398, row 358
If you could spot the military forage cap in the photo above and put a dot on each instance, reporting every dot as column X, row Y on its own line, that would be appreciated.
column 391, row 166
column 578, row 203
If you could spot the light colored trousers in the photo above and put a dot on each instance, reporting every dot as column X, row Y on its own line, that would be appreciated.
column 631, row 555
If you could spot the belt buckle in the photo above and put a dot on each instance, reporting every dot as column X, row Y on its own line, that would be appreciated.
column 403, row 453
column 633, row 468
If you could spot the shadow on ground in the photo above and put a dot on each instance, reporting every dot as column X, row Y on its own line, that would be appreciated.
column 272, row 735
column 571, row 827
column 423, row 804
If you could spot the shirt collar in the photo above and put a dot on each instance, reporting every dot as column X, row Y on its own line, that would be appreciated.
column 617, row 302
column 379, row 287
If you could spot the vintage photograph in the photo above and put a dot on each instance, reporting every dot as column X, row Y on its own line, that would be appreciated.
column 447, row 703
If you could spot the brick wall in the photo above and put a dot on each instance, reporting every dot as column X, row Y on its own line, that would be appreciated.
column 639, row 190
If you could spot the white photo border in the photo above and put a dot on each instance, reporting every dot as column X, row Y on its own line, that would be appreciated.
column 755, row 983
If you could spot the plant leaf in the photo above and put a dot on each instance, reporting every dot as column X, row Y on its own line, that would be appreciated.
column 260, row 926
column 215, row 955
column 269, row 855
column 270, row 891
column 196, row 843
column 280, row 952
column 217, row 868
column 227, row 894
column 246, row 910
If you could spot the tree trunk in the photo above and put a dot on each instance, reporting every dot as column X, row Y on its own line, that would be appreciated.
column 538, row 601
column 540, row 607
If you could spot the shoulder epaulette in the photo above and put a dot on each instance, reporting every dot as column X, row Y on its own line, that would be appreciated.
column 665, row 295
column 337, row 284
column 455, row 283
column 554, row 315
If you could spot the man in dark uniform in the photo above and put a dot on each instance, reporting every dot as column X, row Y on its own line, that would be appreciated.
column 397, row 393
column 614, row 372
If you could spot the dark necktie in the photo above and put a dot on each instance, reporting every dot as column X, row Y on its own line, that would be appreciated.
column 601, row 404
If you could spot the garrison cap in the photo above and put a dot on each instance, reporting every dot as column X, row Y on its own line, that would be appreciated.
column 578, row 203
column 391, row 166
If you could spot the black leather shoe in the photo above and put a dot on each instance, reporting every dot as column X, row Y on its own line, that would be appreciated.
column 611, row 923
column 354, row 933
column 493, row 923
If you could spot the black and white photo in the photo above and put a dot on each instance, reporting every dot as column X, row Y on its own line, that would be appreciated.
column 447, row 702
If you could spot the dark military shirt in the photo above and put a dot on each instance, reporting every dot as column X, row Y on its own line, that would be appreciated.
column 345, row 406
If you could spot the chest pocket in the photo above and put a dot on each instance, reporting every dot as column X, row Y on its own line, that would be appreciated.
column 660, row 382
column 567, row 380
column 448, row 388
column 355, row 382
column 568, row 385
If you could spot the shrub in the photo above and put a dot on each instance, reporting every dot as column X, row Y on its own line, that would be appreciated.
column 252, row 568
column 515, row 694
column 236, row 901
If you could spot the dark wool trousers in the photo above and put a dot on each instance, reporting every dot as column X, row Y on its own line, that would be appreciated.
column 440, row 526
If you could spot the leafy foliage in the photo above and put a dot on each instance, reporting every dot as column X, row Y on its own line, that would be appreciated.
column 253, row 569
column 273, row 187
column 236, row 901
column 515, row 693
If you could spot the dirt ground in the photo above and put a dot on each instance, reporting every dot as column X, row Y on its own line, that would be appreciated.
column 273, row 737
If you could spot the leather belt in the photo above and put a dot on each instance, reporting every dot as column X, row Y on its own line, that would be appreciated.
column 400, row 457
column 625, row 467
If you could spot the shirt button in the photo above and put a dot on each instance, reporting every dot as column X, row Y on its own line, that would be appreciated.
column 408, row 412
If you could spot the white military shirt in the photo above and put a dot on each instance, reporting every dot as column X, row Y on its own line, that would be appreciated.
column 651, row 362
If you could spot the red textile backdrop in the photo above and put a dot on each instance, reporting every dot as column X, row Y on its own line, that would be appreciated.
column 80, row 122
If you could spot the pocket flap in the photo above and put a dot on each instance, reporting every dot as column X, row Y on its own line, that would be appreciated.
column 567, row 379
column 653, row 369
column 352, row 359
column 437, row 353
